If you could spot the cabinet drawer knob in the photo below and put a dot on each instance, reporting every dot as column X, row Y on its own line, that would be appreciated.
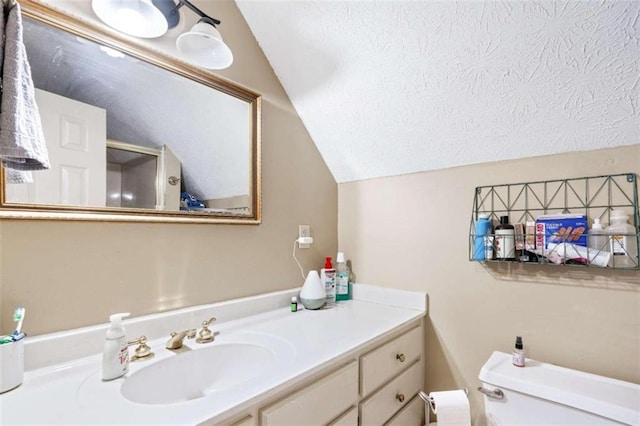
column 400, row 357
column 400, row 397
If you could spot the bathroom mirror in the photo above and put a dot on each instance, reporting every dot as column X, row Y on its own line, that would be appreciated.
column 133, row 135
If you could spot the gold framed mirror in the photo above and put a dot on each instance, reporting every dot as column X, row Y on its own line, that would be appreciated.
column 97, row 87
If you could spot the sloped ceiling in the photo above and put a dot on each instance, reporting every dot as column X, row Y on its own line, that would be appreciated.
column 394, row 87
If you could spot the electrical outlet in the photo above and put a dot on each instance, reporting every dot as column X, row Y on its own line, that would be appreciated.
column 304, row 231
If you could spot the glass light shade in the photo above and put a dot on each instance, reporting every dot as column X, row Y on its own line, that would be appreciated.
column 139, row 18
column 203, row 46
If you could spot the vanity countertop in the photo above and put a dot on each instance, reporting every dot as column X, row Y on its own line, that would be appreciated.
column 72, row 392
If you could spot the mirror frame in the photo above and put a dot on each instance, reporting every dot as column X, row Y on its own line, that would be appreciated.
column 110, row 38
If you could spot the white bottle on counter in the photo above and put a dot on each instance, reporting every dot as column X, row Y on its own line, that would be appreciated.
column 623, row 241
column 115, row 357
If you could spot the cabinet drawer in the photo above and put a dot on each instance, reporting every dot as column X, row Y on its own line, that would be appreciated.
column 317, row 404
column 383, row 363
column 411, row 415
column 350, row 418
column 392, row 397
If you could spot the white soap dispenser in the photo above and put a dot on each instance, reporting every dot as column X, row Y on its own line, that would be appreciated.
column 115, row 358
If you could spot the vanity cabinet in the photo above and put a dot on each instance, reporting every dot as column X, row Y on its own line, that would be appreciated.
column 361, row 363
column 392, row 375
column 386, row 361
column 382, row 405
column 318, row 403
column 376, row 385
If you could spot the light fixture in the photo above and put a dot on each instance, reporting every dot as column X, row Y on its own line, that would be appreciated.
column 202, row 45
column 139, row 18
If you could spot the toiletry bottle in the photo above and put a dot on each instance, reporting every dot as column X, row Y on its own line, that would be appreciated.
column 115, row 357
column 518, row 353
column 505, row 240
column 343, row 289
column 482, row 229
column 623, row 241
column 328, row 278
column 597, row 238
column 294, row 304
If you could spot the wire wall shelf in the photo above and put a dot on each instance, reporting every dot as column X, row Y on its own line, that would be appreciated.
column 594, row 197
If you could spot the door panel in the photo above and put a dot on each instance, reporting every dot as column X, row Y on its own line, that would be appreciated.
column 76, row 135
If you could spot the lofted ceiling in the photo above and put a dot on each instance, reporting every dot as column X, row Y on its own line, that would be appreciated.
column 395, row 87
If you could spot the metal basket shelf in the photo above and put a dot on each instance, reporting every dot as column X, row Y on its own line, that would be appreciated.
column 594, row 196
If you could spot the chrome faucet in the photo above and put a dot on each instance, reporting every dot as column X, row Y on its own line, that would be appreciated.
column 175, row 341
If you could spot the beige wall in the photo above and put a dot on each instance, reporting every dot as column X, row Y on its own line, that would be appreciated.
column 411, row 232
column 71, row 274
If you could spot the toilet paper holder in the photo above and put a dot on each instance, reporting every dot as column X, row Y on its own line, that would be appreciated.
column 431, row 403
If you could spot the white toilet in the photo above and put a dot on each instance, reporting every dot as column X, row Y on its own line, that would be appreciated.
column 544, row 394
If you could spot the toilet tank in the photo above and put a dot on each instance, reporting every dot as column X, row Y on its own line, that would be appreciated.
column 545, row 394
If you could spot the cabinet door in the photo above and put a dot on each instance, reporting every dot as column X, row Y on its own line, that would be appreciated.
column 384, row 362
column 317, row 404
column 383, row 404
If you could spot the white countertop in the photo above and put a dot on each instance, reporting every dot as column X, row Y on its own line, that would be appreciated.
column 72, row 392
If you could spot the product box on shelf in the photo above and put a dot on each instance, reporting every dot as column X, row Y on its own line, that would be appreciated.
column 530, row 236
column 560, row 228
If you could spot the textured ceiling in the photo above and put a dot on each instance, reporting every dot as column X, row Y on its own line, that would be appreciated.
column 394, row 87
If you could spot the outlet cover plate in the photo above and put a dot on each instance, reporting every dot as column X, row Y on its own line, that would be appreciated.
column 304, row 231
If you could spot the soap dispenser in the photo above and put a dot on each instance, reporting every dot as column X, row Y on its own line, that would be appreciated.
column 115, row 358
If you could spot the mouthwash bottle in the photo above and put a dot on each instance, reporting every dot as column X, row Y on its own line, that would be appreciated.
column 343, row 287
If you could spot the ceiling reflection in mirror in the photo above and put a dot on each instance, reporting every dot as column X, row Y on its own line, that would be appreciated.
column 92, row 94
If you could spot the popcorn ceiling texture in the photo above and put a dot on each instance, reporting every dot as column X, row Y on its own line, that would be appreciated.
column 394, row 87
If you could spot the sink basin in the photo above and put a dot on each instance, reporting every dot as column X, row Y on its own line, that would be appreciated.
column 197, row 373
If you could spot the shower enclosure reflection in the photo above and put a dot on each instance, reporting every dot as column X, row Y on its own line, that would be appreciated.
column 140, row 177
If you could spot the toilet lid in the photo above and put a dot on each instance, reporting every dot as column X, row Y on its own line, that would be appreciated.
column 604, row 396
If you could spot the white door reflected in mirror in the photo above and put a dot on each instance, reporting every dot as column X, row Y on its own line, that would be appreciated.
column 76, row 136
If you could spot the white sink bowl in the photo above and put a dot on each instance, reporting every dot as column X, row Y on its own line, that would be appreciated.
column 197, row 373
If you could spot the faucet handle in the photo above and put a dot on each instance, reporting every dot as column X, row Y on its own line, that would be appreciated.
column 205, row 335
column 143, row 351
